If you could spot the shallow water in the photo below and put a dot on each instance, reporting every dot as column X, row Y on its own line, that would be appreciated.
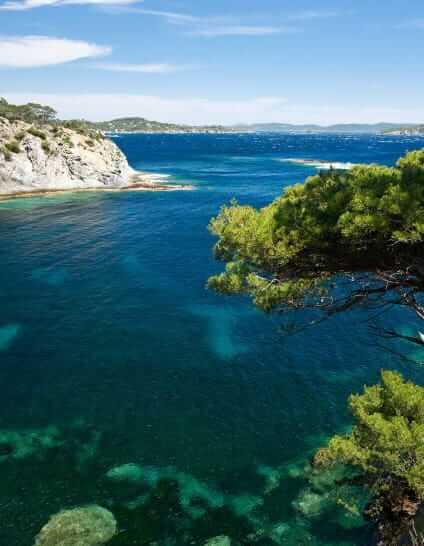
column 112, row 352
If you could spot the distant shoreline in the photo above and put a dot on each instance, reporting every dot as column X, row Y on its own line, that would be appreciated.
column 264, row 132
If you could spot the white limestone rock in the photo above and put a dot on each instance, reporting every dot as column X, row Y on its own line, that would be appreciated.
column 58, row 159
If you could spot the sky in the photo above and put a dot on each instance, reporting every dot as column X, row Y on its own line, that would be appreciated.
column 217, row 61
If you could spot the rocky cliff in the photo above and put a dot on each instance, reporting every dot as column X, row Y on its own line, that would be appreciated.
column 53, row 157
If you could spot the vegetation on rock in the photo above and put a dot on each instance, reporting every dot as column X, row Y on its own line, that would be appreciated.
column 37, row 133
column 45, row 116
column 386, row 449
column 31, row 112
column 13, row 147
column 338, row 241
column 365, row 227
column 387, row 440
column 46, row 147
column 7, row 155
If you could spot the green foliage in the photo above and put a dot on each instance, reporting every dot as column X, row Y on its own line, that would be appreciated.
column 6, row 153
column 78, row 125
column 20, row 135
column 84, row 128
column 37, row 133
column 387, row 440
column 67, row 141
column 335, row 223
column 13, row 146
column 46, row 147
column 31, row 112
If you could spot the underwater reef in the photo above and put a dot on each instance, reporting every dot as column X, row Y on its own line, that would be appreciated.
column 136, row 504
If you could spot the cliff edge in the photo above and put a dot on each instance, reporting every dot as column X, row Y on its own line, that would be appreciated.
column 53, row 157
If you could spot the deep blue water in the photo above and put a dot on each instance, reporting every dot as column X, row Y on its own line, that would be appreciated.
column 108, row 334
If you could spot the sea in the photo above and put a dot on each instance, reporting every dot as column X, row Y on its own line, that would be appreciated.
column 126, row 383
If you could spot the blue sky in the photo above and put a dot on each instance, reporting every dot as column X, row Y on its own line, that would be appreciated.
column 204, row 61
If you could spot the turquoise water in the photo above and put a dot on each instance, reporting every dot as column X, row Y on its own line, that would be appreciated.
column 113, row 353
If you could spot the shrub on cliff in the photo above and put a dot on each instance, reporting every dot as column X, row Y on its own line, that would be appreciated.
column 365, row 227
column 46, row 147
column 13, row 146
column 31, row 112
column 7, row 155
column 37, row 133
column 386, row 450
column 387, row 440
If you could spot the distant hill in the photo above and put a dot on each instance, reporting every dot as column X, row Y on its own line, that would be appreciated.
column 136, row 124
column 142, row 125
column 347, row 128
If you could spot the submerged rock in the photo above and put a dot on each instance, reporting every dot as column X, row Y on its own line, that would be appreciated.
column 245, row 504
column 88, row 526
column 311, row 504
column 20, row 444
column 219, row 541
column 126, row 473
column 78, row 444
column 8, row 334
column 195, row 496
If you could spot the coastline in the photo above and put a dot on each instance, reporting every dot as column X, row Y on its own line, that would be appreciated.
column 140, row 181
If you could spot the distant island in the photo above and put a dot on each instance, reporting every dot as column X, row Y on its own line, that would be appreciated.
column 142, row 125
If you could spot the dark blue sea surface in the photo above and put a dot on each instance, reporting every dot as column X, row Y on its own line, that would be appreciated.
column 113, row 352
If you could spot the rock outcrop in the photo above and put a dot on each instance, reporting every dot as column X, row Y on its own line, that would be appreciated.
column 52, row 157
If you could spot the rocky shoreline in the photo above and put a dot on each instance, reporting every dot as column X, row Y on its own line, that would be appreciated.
column 140, row 182
column 48, row 159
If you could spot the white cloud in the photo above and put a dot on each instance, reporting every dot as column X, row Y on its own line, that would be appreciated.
column 169, row 16
column 21, row 5
column 212, row 31
column 152, row 68
column 36, row 51
column 311, row 14
column 206, row 27
column 207, row 111
column 212, row 27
